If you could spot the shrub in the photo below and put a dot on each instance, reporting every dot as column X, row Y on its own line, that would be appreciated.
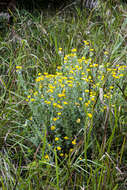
column 66, row 105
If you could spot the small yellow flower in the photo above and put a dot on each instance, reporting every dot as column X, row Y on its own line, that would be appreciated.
column 86, row 90
column 18, row 67
column 72, row 71
column 86, row 104
column 59, row 106
column 59, row 67
column 71, row 149
column 108, row 69
column 59, row 113
column 76, row 66
column 66, row 138
column 40, row 86
column 61, row 154
column 37, row 80
column 102, row 77
column 74, row 142
column 56, row 139
column 106, row 52
column 47, row 102
column 54, row 104
column 61, row 95
column 32, row 99
column 93, row 98
column 35, row 93
column 53, row 127
column 74, row 50
column 83, row 58
column 78, row 120
column 58, row 148
column 50, row 90
column 51, row 86
column 105, row 95
column 95, row 65
column 55, row 118
column 80, row 98
column 70, row 85
column 89, row 115
column 72, row 78
column 65, row 103
column 86, row 42
column 47, row 157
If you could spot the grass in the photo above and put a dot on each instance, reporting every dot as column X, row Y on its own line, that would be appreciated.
column 63, row 100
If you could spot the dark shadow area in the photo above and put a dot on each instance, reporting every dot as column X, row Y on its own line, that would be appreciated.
column 42, row 4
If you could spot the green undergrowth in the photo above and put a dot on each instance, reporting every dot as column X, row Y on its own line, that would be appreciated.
column 63, row 100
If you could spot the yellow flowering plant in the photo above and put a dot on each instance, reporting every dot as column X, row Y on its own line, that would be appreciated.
column 64, row 101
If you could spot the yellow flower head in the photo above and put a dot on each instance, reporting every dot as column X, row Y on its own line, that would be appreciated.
column 71, row 149
column 74, row 142
column 58, row 148
column 73, row 50
column 66, row 138
column 28, row 96
column 86, row 42
column 59, row 113
column 47, row 157
column 106, row 52
column 55, row 118
column 18, row 67
column 78, row 120
column 53, row 127
column 60, row 49
column 89, row 115
column 56, row 139
column 65, row 103
column 61, row 95
column 86, row 104
column 32, row 99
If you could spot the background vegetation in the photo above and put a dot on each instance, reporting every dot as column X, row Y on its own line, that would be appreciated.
column 82, row 144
